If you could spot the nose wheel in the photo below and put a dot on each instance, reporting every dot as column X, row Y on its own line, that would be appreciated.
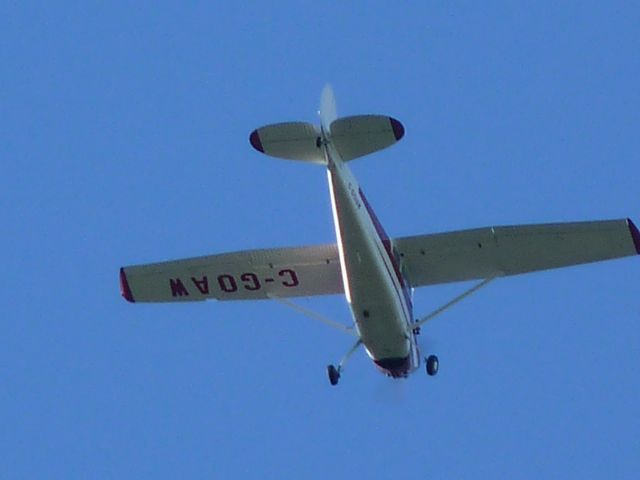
column 432, row 365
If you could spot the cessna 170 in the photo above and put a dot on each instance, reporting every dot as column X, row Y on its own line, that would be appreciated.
column 375, row 272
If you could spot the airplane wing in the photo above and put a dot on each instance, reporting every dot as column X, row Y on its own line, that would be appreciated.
column 245, row 275
column 499, row 251
column 427, row 259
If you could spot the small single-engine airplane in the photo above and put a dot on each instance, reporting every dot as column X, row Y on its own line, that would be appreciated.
column 375, row 272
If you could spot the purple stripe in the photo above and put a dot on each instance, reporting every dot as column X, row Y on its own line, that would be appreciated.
column 125, row 290
column 398, row 129
column 407, row 299
column 254, row 139
column 387, row 246
column 635, row 235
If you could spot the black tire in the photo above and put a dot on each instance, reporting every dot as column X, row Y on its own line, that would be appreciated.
column 432, row 365
column 334, row 375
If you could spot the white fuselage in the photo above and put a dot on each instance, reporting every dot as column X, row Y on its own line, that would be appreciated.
column 374, row 286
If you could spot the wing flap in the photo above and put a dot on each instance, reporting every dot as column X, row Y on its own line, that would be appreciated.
column 498, row 251
column 244, row 275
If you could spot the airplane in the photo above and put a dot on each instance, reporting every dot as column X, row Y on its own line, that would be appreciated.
column 375, row 272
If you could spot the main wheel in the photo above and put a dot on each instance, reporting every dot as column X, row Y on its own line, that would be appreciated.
column 334, row 374
column 432, row 365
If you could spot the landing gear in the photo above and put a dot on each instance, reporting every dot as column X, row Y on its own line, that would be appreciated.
column 432, row 365
column 334, row 374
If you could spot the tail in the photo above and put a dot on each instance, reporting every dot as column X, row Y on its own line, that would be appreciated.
column 327, row 111
column 352, row 137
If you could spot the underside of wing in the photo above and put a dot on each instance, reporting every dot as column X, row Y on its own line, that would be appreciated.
column 245, row 275
column 498, row 251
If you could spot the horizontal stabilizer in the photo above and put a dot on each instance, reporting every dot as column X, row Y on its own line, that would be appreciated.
column 353, row 137
column 291, row 141
column 360, row 135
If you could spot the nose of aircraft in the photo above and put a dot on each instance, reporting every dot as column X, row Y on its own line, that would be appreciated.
column 394, row 367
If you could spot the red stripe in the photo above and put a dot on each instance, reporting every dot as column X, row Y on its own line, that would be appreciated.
column 398, row 129
column 255, row 141
column 124, row 287
column 384, row 238
column 635, row 235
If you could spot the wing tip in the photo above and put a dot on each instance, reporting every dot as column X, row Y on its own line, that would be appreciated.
column 635, row 234
column 125, row 290
column 397, row 127
column 255, row 141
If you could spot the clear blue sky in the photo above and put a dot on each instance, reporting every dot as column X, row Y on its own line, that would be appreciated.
column 124, row 139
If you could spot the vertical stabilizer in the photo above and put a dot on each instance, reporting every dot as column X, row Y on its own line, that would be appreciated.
column 327, row 108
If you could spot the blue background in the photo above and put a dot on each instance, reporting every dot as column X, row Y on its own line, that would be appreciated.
column 124, row 139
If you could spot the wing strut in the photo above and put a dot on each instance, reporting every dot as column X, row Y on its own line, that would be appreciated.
column 451, row 303
column 315, row 315
column 335, row 373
